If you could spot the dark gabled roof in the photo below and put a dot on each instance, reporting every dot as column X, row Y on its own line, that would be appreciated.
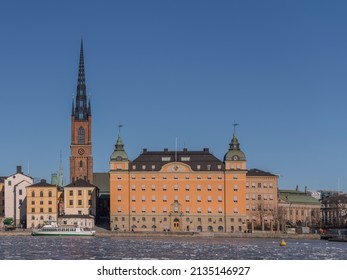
column 80, row 183
column 42, row 183
column 102, row 180
column 342, row 198
column 257, row 172
column 158, row 159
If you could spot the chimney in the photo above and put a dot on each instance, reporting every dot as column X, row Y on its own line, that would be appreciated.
column 19, row 169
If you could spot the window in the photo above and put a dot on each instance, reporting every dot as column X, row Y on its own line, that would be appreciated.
column 133, row 209
column 209, row 188
column 259, row 196
column 33, row 194
column 153, row 210
column 143, row 198
column 187, row 198
column 253, row 185
column 236, row 210
column 164, row 188
column 143, row 187
column 247, row 196
column 50, row 194
column 119, row 198
column 79, row 192
column 70, row 202
column 235, row 198
column 219, row 187
column 70, row 192
column 209, row 210
column 187, row 187
column 165, row 198
column 199, row 211
column 79, row 202
column 187, row 210
column 220, row 211
column 119, row 187
column 143, row 209
column 81, row 163
column 33, row 202
column 209, row 198
column 153, row 187
column 133, row 187
column 199, row 198
column 33, row 217
column 133, row 198
column 259, row 185
column 20, row 192
column 81, row 135
column 265, row 196
column 153, row 198
column 90, row 202
column 89, row 192
column 33, row 210
column 41, row 202
column 253, row 196
column 49, row 210
column 41, row 210
column 176, row 198
column 176, row 187
column 219, row 198
column 119, row 209
column 271, row 197
column 247, row 185
column 265, row 185
column 41, row 194
column 198, row 187
column 164, row 210
column 236, row 188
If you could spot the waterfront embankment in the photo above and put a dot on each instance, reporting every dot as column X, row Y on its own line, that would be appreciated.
column 106, row 233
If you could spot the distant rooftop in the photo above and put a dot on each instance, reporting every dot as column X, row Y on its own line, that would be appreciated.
column 257, row 172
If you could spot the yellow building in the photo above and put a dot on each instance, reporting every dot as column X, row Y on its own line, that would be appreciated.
column 42, row 204
column 261, row 200
column 80, row 200
column 178, row 190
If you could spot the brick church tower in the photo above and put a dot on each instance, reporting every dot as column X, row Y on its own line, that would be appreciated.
column 81, row 159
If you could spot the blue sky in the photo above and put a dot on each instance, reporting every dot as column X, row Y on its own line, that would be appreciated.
column 185, row 69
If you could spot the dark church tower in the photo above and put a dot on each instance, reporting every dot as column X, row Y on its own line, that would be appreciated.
column 81, row 159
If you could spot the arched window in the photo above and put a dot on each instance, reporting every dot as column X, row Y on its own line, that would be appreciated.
column 81, row 135
column 50, row 194
column 33, row 194
column 41, row 194
column 81, row 163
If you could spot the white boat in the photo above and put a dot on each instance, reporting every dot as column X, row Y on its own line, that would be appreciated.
column 53, row 230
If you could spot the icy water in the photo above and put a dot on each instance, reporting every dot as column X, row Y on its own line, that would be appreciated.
column 190, row 248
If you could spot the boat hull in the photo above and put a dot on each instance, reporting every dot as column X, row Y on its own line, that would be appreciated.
column 62, row 232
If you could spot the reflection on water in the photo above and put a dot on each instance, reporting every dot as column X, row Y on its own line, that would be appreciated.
column 117, row 248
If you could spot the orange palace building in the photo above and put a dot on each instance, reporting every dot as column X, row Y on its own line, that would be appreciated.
column 178, row 190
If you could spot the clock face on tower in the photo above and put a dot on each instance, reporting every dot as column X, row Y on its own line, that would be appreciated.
column 80, row 151
column 235, row 157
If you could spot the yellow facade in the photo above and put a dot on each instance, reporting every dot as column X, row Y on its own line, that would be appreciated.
column 80, row 198
column 42, row 204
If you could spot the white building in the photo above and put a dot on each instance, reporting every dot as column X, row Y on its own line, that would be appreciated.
column 15, row 196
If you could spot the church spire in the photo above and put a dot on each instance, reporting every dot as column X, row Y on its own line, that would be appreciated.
column 82, row 109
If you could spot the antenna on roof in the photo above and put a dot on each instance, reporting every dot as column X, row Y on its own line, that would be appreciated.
column 235, row 125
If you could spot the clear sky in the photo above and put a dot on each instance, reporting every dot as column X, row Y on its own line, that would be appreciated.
column 186, row 69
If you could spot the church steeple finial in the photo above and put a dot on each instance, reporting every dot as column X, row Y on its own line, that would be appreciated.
column 82, row 109
column 81, row 75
